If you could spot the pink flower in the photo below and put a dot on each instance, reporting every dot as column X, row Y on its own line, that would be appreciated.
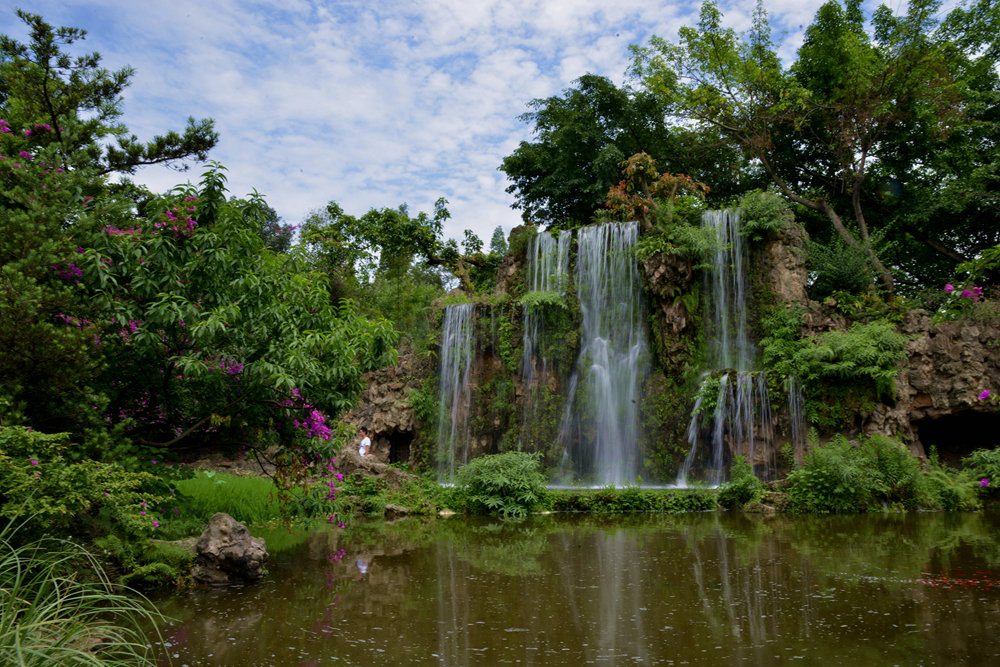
column 984, row 395
column 949, row 288
column 984, row 483
column 34, row 462
column 156, row 524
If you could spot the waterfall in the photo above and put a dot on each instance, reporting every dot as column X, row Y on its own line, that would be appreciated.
column 797, row 418
column 729, row 344
column 547, row 271
column 455, row 398
column 600, row 426
column 742, row 414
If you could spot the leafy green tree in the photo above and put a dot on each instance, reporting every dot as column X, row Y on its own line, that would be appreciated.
column 345, row 245
column 277, row 236
column 824, row 127
column 78, row 104
column 211, row 333
column 60, row 139
column 583, row 136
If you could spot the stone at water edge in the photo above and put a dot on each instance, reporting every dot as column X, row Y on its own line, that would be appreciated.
column 227, row 552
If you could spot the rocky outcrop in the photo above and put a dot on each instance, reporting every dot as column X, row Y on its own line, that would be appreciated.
column 226, row 552
column 666, row 279
column 782, row 265
column 510, row 273
column 947, row 367
column 349, row 462
column 384, row 408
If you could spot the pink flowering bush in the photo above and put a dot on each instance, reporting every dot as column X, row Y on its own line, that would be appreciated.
column 208, row 335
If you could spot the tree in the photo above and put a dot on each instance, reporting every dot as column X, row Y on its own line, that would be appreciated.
column 210, row 333
column 60, row 138
column 345, row 245
column 78, row 104
column 562, row 178
column 820, row 127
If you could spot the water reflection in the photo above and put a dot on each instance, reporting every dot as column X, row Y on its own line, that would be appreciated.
column 670, row 589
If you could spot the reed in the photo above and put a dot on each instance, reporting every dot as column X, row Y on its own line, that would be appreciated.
column 59, row 607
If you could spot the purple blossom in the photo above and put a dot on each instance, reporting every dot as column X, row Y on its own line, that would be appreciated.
column 984, row 483
column 984, row 395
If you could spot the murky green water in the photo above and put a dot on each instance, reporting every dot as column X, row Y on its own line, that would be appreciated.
column 707, row 589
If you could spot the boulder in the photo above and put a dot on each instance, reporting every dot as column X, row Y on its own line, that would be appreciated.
column 226, row 552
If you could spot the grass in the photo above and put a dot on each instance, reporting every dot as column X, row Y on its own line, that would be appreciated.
column 51, row 615
column 246, row 499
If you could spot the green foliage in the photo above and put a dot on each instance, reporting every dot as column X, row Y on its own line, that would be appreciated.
column 838, row 369
column 355, row 250
column 707, row 396
column 246, row 499
column 210, row 332
column 764, row 215
column 839, row 477
column 562, row 177
column 58, row 606
column 743, row 486
column 690, row 241
column 542, row 301
column 509, row 485
column 865, row 353
column 509, row 342
column 984, row 464
column 838, row 267
column 425, row 403
column 43, row 489
column 876, row 126
column 62, row 137
column 612, row 500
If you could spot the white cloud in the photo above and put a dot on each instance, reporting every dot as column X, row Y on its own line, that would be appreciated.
column 370, row 103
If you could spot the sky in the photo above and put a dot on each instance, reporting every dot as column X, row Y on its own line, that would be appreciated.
column 374, row 103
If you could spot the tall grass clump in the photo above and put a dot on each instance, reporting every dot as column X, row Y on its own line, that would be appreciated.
column 246, row 499
column 509, row 485
column 51, row 615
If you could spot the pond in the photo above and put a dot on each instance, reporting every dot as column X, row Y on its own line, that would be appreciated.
column 710, row 588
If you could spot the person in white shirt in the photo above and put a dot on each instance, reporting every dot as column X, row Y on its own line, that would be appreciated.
column 366, row 443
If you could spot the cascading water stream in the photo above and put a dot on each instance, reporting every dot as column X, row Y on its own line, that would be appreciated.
column 600, row 426
column 797, row 417
column 742, row 413
column 455, row 397
column 547, row 271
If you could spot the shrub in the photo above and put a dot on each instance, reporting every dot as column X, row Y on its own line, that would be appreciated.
column 509, row 485
column 838, row 266
column 633, row 499
column 743, row 487
column 39, row 484
column 839, row 477
column 984, row 464
column 764, row 215
column 830, row 480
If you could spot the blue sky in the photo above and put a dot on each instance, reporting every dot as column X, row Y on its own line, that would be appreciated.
column 370, row 104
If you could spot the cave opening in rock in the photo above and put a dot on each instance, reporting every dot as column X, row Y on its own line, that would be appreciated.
column 399, row 446
column 957, row 435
